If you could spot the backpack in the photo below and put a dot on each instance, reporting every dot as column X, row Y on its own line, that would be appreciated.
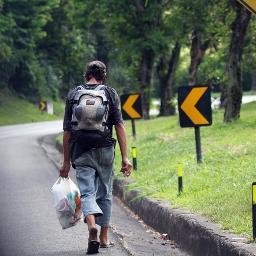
column 90, row 109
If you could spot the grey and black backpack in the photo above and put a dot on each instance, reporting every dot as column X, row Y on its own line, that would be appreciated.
column 90, row 109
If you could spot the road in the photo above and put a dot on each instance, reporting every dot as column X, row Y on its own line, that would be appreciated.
column 215, row 103
column 28, row 223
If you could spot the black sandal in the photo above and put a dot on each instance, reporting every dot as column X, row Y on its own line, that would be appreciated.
column 108, row 245
column 93, row 245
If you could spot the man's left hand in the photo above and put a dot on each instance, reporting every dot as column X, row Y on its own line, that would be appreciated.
column 126, row 167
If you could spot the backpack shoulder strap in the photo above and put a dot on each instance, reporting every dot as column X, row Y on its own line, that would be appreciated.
column 72, row 94
column 109, row 93
column 80, row 87
column 99, row 87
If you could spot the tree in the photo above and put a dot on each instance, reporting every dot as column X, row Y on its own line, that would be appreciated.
column 135, row 27
column 249, row 57
column 45, row 46
column 7, row 25
column 166, row 70
column 206, row 25
column 27, row 20
column 68, row 44
column 234, row 91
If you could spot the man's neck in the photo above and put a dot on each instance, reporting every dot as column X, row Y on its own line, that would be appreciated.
column 93, row 81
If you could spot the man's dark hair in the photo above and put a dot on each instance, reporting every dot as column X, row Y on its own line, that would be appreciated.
column 96, row 69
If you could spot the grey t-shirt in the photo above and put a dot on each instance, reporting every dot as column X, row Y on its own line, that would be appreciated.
column 80, row 144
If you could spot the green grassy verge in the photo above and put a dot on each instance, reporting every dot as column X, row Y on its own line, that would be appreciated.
column 59, row 138
column 220, row 187
column 14, row 110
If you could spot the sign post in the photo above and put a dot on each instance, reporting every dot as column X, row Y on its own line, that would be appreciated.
column 195, row 111
column 198, row 144
column 133, row 129
column 131, row 110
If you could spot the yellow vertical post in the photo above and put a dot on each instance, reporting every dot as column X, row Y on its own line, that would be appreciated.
column 134, row 150
column 134, row 158
column 254, row 209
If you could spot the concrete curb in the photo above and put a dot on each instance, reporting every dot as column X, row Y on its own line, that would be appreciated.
column 191, row 232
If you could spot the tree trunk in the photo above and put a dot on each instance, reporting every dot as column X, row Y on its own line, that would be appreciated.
column 253, row 81
column 223, row 96
column 145, row 80
column 197, row 52
column 167, row 81
column 234, row 90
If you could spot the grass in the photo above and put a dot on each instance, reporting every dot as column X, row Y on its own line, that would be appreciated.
column 14, row 110
column 245, row 93
column 220, row 187
column 59, row 138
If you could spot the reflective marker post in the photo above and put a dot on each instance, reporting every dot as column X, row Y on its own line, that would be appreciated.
column 254, row 209
column 134, row 158
column 180, row 183
column 134, row 150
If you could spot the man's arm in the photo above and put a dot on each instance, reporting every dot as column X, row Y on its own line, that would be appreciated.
column 64, row 170
column 121, row 137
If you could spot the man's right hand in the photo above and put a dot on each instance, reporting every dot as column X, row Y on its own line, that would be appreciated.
column 64, row 170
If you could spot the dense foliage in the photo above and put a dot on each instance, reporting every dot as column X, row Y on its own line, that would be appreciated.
column 151, row 46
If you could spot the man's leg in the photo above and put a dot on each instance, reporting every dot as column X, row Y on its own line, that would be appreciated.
column 104, row 193
column 104, row 200
column 90, row 220
column 104, row 238
column 87, row 180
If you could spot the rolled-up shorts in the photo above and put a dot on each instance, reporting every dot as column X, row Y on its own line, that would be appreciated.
column 94, row 173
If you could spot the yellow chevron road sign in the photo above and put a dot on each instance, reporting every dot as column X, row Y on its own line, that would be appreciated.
column 42, row 105
column 249, row 4
column 194, row 106
column 131, row 106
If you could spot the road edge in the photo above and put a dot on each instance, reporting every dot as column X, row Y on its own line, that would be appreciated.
column 192, row 232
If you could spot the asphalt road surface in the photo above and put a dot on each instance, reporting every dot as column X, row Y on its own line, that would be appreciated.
column 28, row 222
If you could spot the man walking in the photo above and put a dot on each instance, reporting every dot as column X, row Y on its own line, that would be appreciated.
column 91, row 112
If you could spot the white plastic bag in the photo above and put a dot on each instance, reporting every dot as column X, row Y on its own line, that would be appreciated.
column 66, row 201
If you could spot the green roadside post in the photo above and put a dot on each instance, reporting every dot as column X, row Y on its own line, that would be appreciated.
column 131, row 110
column 195, row 110
column 254, row 210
